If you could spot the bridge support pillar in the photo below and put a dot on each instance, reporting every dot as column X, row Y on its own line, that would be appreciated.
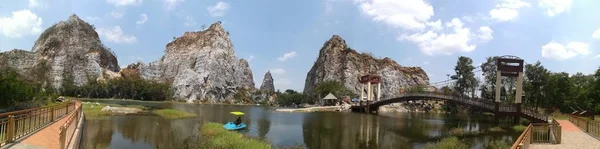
column 517, row 118
column 496, row 112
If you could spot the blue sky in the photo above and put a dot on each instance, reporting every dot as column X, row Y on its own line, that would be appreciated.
column 284, row 36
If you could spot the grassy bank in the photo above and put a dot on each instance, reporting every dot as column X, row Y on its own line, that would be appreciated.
column 455, row 143
column 172, row 114
column 214, row 136
column 94, row 111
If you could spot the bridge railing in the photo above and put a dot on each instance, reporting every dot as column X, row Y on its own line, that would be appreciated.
column 539, row 133
column 532, row 113
column 587, row 125
column 67, row 130
column 15, row 125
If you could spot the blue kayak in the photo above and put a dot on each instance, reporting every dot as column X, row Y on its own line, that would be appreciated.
column 232, row 126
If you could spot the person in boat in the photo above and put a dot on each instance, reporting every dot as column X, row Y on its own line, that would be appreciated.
column 238, row 121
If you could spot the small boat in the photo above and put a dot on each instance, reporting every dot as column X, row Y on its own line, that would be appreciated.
column 233, row 125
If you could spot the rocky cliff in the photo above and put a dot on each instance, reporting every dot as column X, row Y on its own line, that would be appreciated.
column 338, row 62
column 201, row 66
column 69, row 51
column 267, row 84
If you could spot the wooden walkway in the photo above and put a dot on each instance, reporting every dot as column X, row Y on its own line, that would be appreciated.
column 572, row 138
column 46, row 138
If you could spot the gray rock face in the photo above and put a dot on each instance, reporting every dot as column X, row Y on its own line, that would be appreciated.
column 201, row 66
column 71, row 50
column 338, row 62
column 267, row 84
column 20, row 60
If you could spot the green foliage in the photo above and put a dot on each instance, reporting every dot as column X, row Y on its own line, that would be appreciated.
column 129, row 88
column 536, row 77
column 334, row 87
column 16, row 89
column 173, row 114
column 291, row 97
column 214, row 136
column 465, row 77
column 243, row 95
column 448, row 143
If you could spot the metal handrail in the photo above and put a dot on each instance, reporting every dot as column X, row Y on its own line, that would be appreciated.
column 487, row 104
column 15, row 125
column 67, row 130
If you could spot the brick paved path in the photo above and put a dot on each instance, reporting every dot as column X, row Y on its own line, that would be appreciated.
column 572, row 138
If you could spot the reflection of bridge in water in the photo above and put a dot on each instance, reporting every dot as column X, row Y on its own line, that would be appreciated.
column 498, row 109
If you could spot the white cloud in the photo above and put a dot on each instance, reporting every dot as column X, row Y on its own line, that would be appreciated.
column 282, row 81
column 328, row 6
column 116, row 14
column 596, row 34
column 507, row 10
column 115, row 34
column 459, row 40
column 406, row 14
column 597, row 56
column 278, row 71
column 124, row 2
column 92, row 19
column 485, row 33
column 557, row 51
column 425, row 62
column 171, row 4
column 143, row 19
column 250, row 58
column 287, row 56
column 432, row 37
column 189, row 21
column 34, row 3
column 555, row 7
column 20, row 24
column 218, row 9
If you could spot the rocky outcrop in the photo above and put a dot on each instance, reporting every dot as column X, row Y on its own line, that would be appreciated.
column 69, row 51
column 338, row 62
column 267, row 84
column 201, row 66
column 20, row 60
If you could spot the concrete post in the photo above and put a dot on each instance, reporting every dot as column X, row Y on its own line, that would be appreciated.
column 369, row 93
column 498, row 85
column 519, row 92
column 362, row 94
column 378, row 91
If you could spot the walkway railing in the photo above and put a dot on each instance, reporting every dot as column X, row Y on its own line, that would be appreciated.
column 587, row 125
column 479, row 102
column 67, row 131
column 17, row 124
column 524, row 139
column 539, row 133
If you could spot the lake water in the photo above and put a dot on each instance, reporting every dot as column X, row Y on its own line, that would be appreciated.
column 318, row 130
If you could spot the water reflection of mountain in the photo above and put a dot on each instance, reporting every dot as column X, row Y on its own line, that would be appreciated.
column 139, row 132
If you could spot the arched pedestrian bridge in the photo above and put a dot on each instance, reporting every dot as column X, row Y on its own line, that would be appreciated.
column 498, row 109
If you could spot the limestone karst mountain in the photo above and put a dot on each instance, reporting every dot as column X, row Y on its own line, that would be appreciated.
column 339, row 62
column 201, row 66
column 68, row 51
column 267, row 84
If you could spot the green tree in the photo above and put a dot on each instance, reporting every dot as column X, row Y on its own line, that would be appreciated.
column 465, row 77
column 536, row 79
column 290, row 97
column 334, row 87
